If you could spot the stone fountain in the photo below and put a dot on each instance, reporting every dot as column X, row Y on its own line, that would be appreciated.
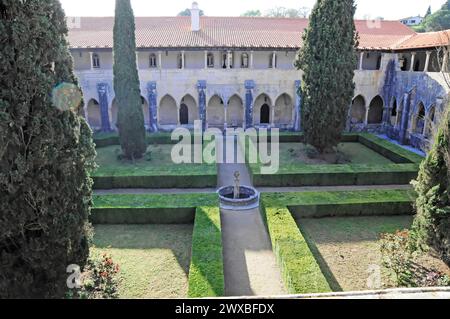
column 238, row 197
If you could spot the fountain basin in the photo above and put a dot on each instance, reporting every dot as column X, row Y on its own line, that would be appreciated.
column 248, row 199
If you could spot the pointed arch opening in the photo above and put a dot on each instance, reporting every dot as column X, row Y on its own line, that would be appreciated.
column 418, row 123
column 235, row 112
column 430, row 122
column 188, row 110
column 215, row 112
column 168, row 111
column 94, row 115
column 358, row 111
column 393, row 112
column 284, row 108
column 262, row 111
column 376, row 110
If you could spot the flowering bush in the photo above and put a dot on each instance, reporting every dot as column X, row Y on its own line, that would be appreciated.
column 98, row 279
column 399, row 259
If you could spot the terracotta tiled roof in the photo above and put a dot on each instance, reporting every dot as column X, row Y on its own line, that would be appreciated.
column 236, row 32
column 426, row 40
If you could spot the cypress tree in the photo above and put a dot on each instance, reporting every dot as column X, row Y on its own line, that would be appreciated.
column 130, row 119
column 46, row 154
column 431, row 227
column 328, row 60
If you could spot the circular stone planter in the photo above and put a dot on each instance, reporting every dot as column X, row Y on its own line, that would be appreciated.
column 249, row 198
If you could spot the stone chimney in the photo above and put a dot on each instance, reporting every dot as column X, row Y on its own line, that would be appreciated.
column 195, row 17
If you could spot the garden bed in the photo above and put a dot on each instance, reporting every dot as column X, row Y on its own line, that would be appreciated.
column 154, row 259
column 156, row 170
column 348, row 249
column 366, row 160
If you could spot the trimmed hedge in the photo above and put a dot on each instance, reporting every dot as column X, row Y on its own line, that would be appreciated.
column 206, row 274
column 300, row 271
column 336, row 175
column 148, row 209
column 111, row 139
column 155, row 181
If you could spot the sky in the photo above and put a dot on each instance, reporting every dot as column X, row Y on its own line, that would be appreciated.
column 388, row 9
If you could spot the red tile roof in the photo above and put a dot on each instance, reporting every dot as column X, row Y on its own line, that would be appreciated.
column 236, row 32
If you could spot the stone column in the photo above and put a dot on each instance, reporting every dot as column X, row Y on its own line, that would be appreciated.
column 298, row 106
column 102, row 89
column 183, row 62
column 274, row 60
column 361, row 60
column 445, row 62
column 413, row 60
column 201, row 87
column 229, row 60
column 427, row 62
column 91, row 61
column 249, row 104
column 251, row 60
column 153, row 106
column 160, row 60
column 206, row 60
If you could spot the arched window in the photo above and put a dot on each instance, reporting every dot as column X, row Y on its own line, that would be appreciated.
column 210, row 61
column 184, row 114
column 244, row 61
column 95, row 61
column 265, row 114
column 358, row 111
column 376, row 111
column 152, row 61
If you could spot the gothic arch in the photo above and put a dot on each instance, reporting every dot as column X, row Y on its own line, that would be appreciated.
column 189, row 104
column 284, row 110
column 393, row 112
column 215, row 112
column 376, row 110
column 358, row 110
column 168, row 111
column 418, row 121
column 94, row 114
column 262, row 103
column 235, row 112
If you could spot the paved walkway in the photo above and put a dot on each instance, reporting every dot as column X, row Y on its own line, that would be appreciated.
column 249, row 263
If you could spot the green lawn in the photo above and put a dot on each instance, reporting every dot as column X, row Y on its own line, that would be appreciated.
column 158, row 163
column 154, row 259
column 348, row 249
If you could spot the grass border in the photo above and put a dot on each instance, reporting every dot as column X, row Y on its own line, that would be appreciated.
column 206, row 274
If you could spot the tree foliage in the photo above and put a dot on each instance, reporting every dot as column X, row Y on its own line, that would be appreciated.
column 130, row 120
column 187, row 13
column 438, row 21
column 328, row 60
column 280, row 12
column 252, row 13
column 46, row 155
column 431, row 226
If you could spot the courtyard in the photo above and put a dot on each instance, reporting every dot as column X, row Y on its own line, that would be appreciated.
column 178, row 242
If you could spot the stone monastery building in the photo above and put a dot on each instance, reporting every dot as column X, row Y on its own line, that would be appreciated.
column 238, row 72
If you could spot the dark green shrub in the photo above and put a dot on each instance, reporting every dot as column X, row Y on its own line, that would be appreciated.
column 46, row 153
column 431, row 226
column 328, row 59
column 130, row 119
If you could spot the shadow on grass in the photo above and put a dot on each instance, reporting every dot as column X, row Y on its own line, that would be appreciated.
column 332, row 281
